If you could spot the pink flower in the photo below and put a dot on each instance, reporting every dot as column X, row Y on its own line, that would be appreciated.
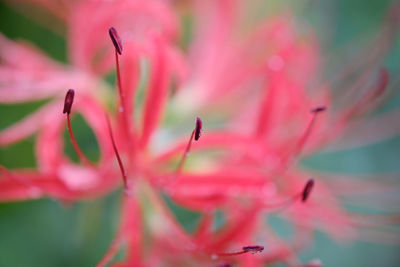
column 259, row 83
column 27, row 74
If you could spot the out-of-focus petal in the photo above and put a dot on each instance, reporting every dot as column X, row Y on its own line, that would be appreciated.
column 28, row 126
column 157, row 93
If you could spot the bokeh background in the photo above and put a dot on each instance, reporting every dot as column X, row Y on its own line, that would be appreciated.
column 49, row 233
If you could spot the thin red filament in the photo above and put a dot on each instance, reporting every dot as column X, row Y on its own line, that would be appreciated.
column 121, row 165
column 69, row 99
column 315, row 111
column 118, row 51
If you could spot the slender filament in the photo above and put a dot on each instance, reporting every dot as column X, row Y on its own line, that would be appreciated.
column 121, row 165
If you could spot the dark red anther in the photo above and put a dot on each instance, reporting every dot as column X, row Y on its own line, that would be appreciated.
column 307, row 190
column 253, row 249
column 318, row 109
column 115, row 39
column 197, row 130
column 224, row 264
column 69, row 99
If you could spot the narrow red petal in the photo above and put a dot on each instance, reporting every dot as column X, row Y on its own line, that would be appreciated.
column 156, row 95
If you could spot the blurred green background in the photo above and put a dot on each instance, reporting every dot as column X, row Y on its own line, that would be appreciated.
column 48, row 233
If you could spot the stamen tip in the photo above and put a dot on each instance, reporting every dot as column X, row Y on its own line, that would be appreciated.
column 197, row 130
column 224, row 264
column 253, row 249
column 318, row 109
column 115, row 39
column 307, row 190
column 69, row 99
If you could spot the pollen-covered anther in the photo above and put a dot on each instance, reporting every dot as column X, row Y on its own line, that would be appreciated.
column 307, row 190
column 253, row 249
column 115, row 39
column 197, row 130
column 69, row 99
column 318, row 109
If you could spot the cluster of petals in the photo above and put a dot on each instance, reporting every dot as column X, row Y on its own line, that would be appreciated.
column 260, row 81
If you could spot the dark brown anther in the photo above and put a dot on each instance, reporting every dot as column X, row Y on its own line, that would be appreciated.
column 116, row 40
column 224, row 264
column 307, row 190
column 197, row 130
column 69, row 99
column 318, row 109
column 253, row 249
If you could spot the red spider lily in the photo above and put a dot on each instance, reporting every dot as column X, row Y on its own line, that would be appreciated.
column 41, row 78
column 57, row 176
column 257, row 173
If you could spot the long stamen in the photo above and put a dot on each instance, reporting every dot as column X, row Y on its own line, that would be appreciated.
column 315, row 111
column 121, row 166
column 119, row 238
column 303, row 196
column 196, row 133
column 118, row 51
column 69, row 99
column 247, row 249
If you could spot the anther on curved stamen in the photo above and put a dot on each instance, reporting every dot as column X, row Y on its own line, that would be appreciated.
column 196, row 133
column 115, row 39
column 118, row 50
column 224, row 264
column 197, row 130
column 318, row 109
column 307, row 190
column 246, row 249
column 69, row 99
column 315, row 111
column 121, row 165
column 277, row 207
column 253, row 249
